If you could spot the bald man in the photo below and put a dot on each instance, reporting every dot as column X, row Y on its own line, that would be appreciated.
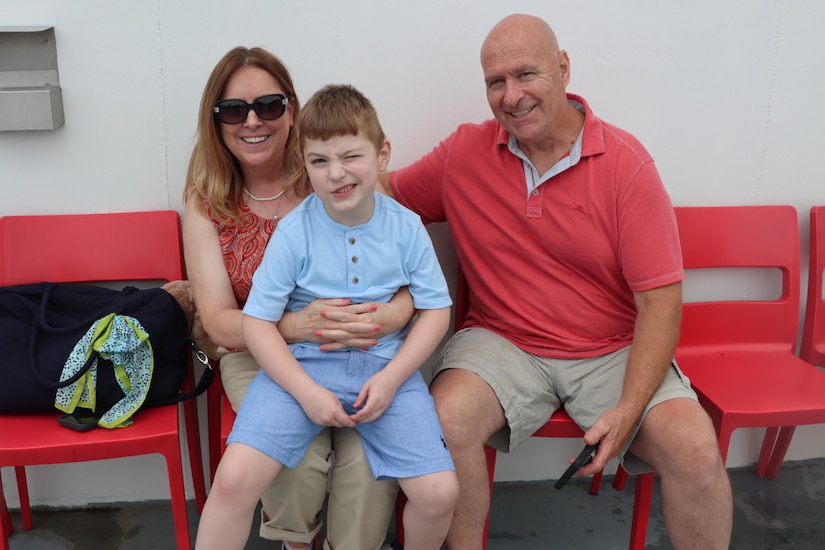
column 569, row 244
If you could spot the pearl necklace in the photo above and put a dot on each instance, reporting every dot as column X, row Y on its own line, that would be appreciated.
column 264, row 199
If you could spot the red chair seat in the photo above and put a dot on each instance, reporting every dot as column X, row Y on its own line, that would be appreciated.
column 757, row 396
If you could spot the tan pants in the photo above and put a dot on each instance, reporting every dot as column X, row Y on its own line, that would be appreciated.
column 359, row 508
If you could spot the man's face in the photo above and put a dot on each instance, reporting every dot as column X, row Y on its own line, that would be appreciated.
column 525, row 86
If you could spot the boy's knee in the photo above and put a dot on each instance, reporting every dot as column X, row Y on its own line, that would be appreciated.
column 232, row 482
column 434, row 494
column 451, row 492
column 443, row 495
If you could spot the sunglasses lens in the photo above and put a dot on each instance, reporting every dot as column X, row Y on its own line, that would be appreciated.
column 269, row 107
column 232, row 111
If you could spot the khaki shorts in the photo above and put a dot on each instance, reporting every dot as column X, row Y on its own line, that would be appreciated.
column 530, row 388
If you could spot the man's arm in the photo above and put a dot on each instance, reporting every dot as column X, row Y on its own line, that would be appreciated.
column 656, row 334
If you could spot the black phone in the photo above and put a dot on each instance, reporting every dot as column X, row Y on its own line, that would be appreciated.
column 584, row 458
column 78, row 421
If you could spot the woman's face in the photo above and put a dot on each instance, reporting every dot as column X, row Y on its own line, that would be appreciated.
column 256, row 142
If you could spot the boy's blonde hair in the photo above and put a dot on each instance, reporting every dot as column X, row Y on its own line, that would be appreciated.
column 339, row 110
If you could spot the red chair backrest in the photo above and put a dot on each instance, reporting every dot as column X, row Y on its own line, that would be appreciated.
column 813, row 333
column 745, row 237
column 129, row 246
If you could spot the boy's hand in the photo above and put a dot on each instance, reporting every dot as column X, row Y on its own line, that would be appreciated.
column 324, row 408
column 374, row 398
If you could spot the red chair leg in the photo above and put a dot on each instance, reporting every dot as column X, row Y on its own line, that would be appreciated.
column 620, row 480
column 190, row 414
column 641, row 510
column 766, row 451
column 23, row 493
column 400, row 501
column 6, row 526
column 491, row 472
column 783, row 441
column 174, row 467
column 596, row 482
column 214, row 398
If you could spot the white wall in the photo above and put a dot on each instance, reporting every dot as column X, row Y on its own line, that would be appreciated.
column 725, row 94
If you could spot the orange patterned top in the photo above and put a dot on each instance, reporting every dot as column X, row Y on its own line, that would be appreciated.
column 243, row 247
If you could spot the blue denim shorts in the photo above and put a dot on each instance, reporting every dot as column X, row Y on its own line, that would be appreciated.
column 406, row 441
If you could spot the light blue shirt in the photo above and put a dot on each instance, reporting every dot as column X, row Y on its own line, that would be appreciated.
column 311, row 256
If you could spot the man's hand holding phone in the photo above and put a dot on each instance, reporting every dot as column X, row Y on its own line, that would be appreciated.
column 584, row 458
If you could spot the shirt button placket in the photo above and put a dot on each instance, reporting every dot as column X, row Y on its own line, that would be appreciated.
column 353, row 269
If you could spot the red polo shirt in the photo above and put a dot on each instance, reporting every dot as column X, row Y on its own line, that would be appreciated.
column 554, row 271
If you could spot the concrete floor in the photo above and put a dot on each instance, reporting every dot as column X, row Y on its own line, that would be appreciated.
column 786, row 514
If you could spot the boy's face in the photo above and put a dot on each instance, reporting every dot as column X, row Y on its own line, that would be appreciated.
column 344, row 172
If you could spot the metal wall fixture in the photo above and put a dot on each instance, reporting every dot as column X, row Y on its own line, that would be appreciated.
column 30, row 95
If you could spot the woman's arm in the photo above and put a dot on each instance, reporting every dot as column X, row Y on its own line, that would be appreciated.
column 337, row 324
column 211, row 288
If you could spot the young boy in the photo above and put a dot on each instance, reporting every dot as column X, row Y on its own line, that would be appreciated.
column 345, row 240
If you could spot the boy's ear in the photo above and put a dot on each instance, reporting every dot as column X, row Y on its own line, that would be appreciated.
column 384, row 156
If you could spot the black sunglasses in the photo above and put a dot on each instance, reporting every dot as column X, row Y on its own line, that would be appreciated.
column 235, row 111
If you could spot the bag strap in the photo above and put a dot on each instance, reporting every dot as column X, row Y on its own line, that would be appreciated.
column 41, row 322
column 205, row 381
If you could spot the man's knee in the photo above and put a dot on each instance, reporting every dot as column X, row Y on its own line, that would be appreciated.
column 468, row 409
column 678, row 436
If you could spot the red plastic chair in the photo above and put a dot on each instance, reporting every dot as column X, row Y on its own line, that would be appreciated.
column 219, row 420
column 559, row 425
column 135, row 246
column 813, row 332
column 812, row 349
column 739, row 355
column 227, row 420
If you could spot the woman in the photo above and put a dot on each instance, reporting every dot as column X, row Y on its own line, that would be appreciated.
column 244, row 175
